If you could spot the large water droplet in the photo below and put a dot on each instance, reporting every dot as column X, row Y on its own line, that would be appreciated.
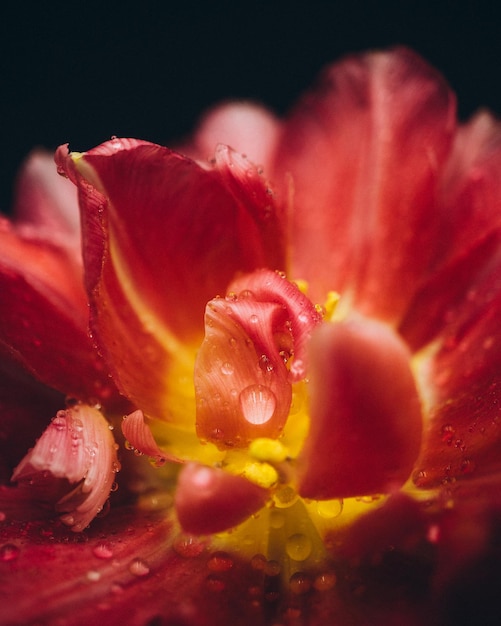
column 258, row 404
column 298, row 547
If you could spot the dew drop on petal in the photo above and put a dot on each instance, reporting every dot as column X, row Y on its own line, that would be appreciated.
column 298, row 547
column 227, row 369
column 215, row 583
column 258, row 562
column 138, row 567
column 258, row 404
column 220, row 562
column 188, row 546
column 9, row 552
column 299, row 583
column 329, row 509
column 325, row 581
column 102, row 551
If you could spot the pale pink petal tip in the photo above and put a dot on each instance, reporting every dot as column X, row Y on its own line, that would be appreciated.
column 209, row 500
column 77, row 447
column 138, row 435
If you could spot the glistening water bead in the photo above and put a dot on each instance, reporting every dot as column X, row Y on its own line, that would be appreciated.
column 258, row 404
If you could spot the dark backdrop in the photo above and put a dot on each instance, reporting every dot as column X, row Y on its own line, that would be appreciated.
column 80, row 72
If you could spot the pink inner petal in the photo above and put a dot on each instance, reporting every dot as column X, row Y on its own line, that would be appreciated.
column 77, row 446
column 366, row 425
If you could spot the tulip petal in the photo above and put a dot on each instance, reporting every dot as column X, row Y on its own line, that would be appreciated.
column 156, row 251
column 242, row 384
column 44, row 312
column 359, row 158
column 138, row 434
column 209, row 500
column 470, row 211
column 25, row 407
column 46, row 205
column 244, row 126
column 365, row 413
column 76, row 447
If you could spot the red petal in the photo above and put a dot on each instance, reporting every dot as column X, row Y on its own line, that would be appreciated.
column 44, row 317
column 242, row 385
column 364, row 150
column 124, row 570
column 78, row 447
column 470, row 232
column 210, row 500
column 365, row 428
column 159, row 245
column 25, row 407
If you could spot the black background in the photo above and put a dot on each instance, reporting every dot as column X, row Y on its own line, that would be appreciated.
column 82, row 72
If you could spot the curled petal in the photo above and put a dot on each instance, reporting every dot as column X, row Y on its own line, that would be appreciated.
column 77, row 447
column 158, row 246
column 242, row 384
column 365, row 412
column 210, row 500
column 136, row 431
column 359, row 160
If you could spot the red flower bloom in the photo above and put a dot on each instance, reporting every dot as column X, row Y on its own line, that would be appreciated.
column 327, row 431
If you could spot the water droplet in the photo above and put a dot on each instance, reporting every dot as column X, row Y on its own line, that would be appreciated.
column 272, row 568
column 325, row 581
column 285, row 497
column 59, row 422
column 258, row 404
column 254, row 319
column 299, row 583
column 117, row 588
column 277, row 520
column 138, row 567
column 220, row 562
column 265, row 363
column 93, row 576
column 188, row 546
column 9, row 552
column 227, row 369
column 102, row 551
column 215, row 583
column 258, row 562
column 298, row 547
column 3, row 516
column 329, row 509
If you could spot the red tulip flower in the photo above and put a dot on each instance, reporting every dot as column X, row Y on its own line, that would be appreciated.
column 296, row 323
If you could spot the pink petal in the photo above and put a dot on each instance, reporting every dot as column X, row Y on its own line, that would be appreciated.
column 158, row 247
column 137, row 432
column 365, row 428
column 242, row 384
column 359, row 162
column 46, row 205
column 79, row 448
column 44, row 317
column 244, row 126
column 210, row 500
